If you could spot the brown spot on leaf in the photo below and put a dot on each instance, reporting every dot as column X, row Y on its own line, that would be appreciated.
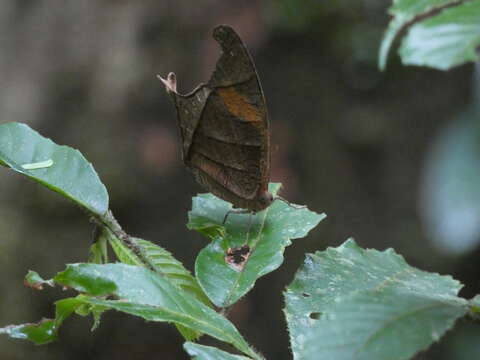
column 237, row 257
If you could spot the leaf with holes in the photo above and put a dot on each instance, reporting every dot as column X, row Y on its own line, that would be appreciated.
column 227, row 269
column 59, row 168
column 348, row 302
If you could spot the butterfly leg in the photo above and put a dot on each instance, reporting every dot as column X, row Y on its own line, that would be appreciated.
column 234, row 211
column 289, row 203
column 249, row 227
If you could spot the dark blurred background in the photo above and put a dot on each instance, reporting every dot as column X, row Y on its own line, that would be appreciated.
column 346, row 140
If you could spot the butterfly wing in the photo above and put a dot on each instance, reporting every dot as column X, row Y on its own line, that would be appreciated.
column 225, row 127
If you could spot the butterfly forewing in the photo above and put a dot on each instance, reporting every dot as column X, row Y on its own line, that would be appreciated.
column 224, row 127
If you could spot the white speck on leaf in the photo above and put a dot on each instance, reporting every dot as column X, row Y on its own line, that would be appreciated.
column 38, row 165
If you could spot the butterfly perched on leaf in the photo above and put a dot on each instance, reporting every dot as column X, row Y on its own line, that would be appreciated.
column 224, row 127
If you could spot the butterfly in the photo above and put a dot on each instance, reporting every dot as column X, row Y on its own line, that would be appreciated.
column 225, row 129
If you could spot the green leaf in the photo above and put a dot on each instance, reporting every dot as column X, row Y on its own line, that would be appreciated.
column 98, row 250
column 475, row 305
column 40, row 333
column 38, row 165
column 60, row 168
column 123, row 253
column 449, row 39
column 66, row 307
column 35, row 281
column 450, row 191
column 163, row 263
column 351, row 303
column 270, row 232
column 202, row 352
column 79, row 277
column 78, row 305
column 404, row 12
column 45, row 331
column 143, row 293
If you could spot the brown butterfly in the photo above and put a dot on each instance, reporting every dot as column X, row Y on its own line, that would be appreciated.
column 224, row 128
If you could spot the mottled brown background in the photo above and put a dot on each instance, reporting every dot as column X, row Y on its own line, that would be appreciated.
column 346, row 140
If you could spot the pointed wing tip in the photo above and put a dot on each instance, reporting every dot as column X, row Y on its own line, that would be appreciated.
column 222, row 27
column 224, row 34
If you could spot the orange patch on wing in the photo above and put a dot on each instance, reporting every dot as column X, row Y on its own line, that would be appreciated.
column 238, row 105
